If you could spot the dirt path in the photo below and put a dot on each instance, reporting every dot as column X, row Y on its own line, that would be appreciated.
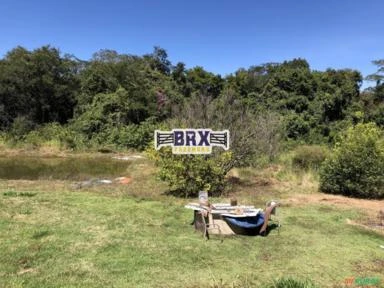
column 372, row 207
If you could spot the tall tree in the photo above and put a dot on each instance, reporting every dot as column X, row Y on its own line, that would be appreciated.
column 379, row 75
column 40, row 85
column 205, row 83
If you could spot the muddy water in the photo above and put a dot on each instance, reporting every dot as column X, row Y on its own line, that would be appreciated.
column 72, row 168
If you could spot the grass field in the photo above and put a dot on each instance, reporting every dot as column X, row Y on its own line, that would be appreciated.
column 133, row 236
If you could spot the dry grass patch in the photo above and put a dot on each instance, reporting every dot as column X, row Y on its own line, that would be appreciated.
column 372, row 207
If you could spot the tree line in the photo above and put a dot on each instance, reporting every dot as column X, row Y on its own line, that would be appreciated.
column 118, row 99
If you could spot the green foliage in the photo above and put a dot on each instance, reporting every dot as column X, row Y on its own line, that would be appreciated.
column 291, row 283
column 378, row 76
column 308, row 100
column 40, row 85
column 186, row 175
column 296, row 127
column 72, row 140
column 54, row 134
column 371, row 105
column 356, row 165
column 47, row 133
column 131, row 235
column 309, row 157
column 251, row 136
column 19, row 194
column 107, row 98
column 20, row 127
column 135, row 136
column 159, row 60
column 3, row 137
column 204, row 82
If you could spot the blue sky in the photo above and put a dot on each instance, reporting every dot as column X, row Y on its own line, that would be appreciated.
column 221, row 36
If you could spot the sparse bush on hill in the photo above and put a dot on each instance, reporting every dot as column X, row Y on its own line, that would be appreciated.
column 356, row 165
column 309, row 157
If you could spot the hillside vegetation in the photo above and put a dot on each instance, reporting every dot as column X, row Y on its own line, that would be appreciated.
column 115, row 102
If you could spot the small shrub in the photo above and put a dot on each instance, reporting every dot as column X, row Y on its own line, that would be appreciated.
column 188, row 174
column 72, row 139
column 51, row 135
column 34, row 138
column 309, row 157
column 356, row 165
column 2, row 137
column 135, row 136
column 21, row 126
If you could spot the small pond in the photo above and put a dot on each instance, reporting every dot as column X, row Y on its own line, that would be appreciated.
column 61, row 168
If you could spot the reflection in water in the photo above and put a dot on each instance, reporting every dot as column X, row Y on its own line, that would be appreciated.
column 80, row 168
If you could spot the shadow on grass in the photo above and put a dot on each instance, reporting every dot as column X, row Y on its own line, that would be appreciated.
column 271, row 227
column 40, row 234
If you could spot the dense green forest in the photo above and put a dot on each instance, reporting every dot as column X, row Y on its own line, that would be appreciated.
column 117, row 100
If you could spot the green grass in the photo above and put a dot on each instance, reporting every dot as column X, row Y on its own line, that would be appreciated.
column 90, row 239
column 52, row 235
column 291, row 283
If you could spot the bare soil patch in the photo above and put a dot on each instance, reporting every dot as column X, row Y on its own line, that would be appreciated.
column 373, row 208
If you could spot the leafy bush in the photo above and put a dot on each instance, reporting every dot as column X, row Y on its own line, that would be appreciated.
column 3, row 137
column 71, row 139
column 250, row 135
column 356, row 165
column 50, row 132
column 136, row 136
column 309, row 157
column 55, row 135
column 21, row 126
column 295, row 126
column 188, row 174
